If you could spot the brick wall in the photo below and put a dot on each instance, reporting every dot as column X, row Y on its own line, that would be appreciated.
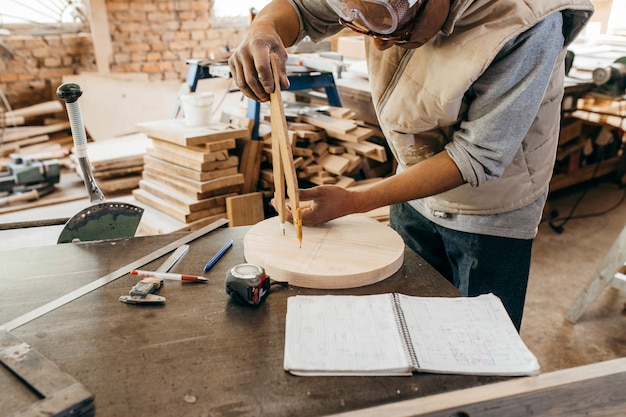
column 32, row 72
column 148, row 36
column 156, row 37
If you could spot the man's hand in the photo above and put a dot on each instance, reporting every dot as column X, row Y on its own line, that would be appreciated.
column 274, row 27
column 322, row 204
column 250, row 64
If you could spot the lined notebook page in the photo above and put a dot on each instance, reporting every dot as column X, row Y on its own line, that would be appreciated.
column 466, row 335
column 343, row 335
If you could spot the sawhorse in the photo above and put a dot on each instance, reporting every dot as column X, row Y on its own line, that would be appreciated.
column 610, row 273
column 199, row 69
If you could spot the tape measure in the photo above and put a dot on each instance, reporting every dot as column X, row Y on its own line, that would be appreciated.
column 247, row 284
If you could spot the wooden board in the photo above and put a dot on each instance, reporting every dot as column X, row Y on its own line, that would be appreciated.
column 59, row 393
column 181, row 200
column 177, row 132
column 175, row 158
column 118, row 184
column 119, row 172
column 177, row 213
column 330, row 124
column 335, row 164
column 251, row 152
column 17, row 146
column 192, row 185
column 159, row 179
column 120, row 152
column 206, row 153
column 348, row 252
column 159, row 164
column 367, row 149
column 245, row 209
column 39, row 109
column 357, row 135
column 595, row 390
column 12, row 134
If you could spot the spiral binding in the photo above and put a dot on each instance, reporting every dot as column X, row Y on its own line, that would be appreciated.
column 402, row 328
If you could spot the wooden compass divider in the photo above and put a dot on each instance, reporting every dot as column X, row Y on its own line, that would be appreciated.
column 282, row 158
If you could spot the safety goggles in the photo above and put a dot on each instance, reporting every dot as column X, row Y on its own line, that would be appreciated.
column 375, row 17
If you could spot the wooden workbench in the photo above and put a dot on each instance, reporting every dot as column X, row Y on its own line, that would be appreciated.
column 200, row 354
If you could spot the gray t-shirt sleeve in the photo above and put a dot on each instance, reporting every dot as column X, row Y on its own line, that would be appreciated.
column 504, row 101
column 317, row 19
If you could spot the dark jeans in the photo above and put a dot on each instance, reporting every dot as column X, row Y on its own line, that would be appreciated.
column 476, row 264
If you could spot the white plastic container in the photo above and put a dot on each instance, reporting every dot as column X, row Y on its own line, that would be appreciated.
column 197, row 108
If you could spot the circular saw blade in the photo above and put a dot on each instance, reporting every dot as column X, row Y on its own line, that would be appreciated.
column 102, row 221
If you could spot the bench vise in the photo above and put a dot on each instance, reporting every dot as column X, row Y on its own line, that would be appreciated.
column 25, row 174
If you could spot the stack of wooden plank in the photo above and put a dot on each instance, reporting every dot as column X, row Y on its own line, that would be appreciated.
column 330, row 147
column 189, row 172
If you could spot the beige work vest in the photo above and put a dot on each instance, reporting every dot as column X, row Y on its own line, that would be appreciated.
column 419, row 97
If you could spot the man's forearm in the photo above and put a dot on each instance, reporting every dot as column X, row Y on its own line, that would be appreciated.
column 429, row 177
column 282, row 18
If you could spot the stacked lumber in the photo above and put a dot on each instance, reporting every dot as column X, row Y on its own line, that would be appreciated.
column 189, row 172
column 35, row 130
column 330, row 147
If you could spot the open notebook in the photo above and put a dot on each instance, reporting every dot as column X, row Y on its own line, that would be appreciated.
column 396, row 334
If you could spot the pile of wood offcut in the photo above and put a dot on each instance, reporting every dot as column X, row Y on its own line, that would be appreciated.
column 330, row 146
column 40, row 131
column 116, row 163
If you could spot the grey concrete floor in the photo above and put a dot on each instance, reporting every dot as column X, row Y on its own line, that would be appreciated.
column 562, row 266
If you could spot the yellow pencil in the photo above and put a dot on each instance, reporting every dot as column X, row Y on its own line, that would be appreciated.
column 298, row 223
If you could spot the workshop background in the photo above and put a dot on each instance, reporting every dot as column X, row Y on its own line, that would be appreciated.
column 151, row 37
column 145, row 46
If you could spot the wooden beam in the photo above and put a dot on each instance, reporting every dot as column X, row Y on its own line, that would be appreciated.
column 100, row 34
column 39, row 109
column 595, row 390
column 24, row 132
column 60, row 394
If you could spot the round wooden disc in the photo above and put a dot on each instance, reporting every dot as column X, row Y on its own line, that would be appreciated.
column 348, row 252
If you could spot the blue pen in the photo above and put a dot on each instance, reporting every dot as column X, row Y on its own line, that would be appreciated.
column 218, row 255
